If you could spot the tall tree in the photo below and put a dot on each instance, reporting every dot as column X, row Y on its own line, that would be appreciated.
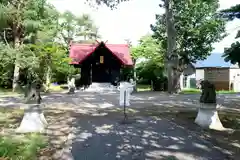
column 87, row 28
column 73, row 28
column 232, row 53
column 171, row 54
column 19, row 19
column 197, row 26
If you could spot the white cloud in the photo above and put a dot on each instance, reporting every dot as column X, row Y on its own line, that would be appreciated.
column 132, row 19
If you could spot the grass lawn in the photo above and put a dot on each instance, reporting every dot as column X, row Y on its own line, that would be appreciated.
column 8, row 92
column 17, row 146
column 142, row 87
column 198, row 91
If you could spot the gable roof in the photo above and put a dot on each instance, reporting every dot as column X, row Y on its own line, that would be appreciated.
column 214, row 60
column 79, row 52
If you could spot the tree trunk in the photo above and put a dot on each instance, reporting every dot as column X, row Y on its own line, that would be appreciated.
column 33, row 93
column 176, row 82
column 16, row 74
column 48, row 79
column 33, row 119
column 171, row 56
column 134, row 76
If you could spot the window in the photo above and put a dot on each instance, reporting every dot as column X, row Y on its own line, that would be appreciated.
column 185, row 81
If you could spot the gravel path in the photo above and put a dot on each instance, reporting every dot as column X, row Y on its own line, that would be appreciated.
column 102, row 137
column 106, row 100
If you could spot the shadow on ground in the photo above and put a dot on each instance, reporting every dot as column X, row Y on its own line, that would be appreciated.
column 103, row 137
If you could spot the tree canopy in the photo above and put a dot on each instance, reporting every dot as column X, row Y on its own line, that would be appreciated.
column 196, row 33
column 34, row 39
column 231, row 54
column 149, row 54
column 186, row 39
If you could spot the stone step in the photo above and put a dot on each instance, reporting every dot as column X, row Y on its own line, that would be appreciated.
column 101, row 87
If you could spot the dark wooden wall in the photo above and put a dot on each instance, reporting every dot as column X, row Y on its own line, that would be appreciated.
column 93, row 71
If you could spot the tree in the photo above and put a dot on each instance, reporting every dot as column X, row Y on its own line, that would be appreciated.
column 148, row 48
column 87, row 29
column 73, row 27
column 7, row 56
column 110, row 3
column 150, row 52
column 194, row 36
column 20, row 19
column 31, row 51
column 231, row 14
column 232, row 53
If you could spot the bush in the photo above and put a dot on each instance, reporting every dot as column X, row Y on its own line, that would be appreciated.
column 160, row 84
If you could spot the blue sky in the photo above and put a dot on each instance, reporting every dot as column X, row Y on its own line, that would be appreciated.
column 131, row 20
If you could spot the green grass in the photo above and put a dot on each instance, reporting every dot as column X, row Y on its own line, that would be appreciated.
column 55, row 88
column 198, row 91
column 25, row 148
column 8, row 92
column 142, row 87
column 18, row 147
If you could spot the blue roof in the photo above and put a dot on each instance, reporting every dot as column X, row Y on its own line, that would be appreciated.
column 214, row 60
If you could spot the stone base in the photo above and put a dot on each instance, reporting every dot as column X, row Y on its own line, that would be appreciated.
column 71, row 90
column 101, row 88
column 33, row 120
column 207, row 117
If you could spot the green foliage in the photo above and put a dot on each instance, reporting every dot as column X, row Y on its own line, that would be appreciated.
column 21, row 148
column 79, row 27
column 231, row 54
column 232, row 12
column 150, row 51
column 39, row 26
column 110, row 3
column 197, row 25
column 148, row 48
column 21, row 17
column 149, row 71
column 7, row 57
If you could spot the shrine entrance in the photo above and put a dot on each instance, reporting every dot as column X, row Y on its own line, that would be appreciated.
column 100, row 73
column 103, row 64
column 100, row 63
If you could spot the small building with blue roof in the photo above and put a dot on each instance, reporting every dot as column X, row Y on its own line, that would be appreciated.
column 224, row 75
column 214, row 60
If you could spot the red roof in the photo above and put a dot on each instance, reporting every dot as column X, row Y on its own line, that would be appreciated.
column 79, row 52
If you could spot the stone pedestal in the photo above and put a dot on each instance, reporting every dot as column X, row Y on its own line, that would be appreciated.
column 71, row 86
column 33, row 120
column 207, row 117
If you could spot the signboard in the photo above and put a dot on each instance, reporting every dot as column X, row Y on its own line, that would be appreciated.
column 217, row 74
column 101, row 59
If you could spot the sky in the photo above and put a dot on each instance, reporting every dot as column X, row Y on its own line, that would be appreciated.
column 131, row 20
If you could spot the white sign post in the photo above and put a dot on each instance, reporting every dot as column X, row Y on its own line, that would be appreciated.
column 124, row 99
